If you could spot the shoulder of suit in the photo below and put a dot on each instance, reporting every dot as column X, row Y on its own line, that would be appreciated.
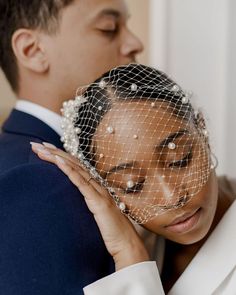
column 41, row 177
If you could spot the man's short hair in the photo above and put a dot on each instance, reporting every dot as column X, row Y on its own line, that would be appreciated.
column 31, row 14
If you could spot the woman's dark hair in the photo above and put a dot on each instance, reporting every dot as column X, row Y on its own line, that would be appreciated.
column 148, row 83
column 30, row 14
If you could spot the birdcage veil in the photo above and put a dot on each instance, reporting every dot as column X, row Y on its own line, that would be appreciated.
column 137, row 134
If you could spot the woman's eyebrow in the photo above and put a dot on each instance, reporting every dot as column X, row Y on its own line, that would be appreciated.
column 172, row 137
column 121, row 166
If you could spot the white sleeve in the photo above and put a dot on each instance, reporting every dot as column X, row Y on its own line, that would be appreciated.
column 138, row 279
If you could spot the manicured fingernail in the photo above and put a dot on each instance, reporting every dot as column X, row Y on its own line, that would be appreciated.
column 44, row 152
column 36, row 145
column 60, row 160
column 49, row 145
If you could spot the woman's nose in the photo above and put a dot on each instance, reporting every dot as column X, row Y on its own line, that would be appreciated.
column 168, row 192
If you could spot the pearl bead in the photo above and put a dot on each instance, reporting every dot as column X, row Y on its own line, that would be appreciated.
column 78, row 98
column 77, row 130
column 175, row 88
column 171, row 145
column 122, row 206
column 111, row 189
column 101, row 156
column 102, row 84
column 135, row 136
column 153, row 104
column 196, row 113
column 110, row 129
column 100, row 108
column 184, row 100
column 205, row 132
column 134, row 87
column 130, row 184
column 80, row 155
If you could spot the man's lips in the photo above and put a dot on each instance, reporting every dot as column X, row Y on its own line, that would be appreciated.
column 185, row 222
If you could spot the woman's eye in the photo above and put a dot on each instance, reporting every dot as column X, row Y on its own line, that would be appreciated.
column 135, row 189
column 183, row 162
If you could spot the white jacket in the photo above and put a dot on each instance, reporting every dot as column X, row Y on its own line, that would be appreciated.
column 211, row 272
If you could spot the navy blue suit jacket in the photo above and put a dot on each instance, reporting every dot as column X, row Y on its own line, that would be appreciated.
column 49, row 241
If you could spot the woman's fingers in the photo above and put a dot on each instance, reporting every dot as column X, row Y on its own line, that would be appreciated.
column 118, row 233
column 54, row 151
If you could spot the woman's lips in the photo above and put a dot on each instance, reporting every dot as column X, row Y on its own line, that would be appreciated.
column 184, row 223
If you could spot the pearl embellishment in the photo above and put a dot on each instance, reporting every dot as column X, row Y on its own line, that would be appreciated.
column 171, row 145
column 122, row 206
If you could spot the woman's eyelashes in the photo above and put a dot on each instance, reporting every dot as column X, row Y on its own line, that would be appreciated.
column 183, row 162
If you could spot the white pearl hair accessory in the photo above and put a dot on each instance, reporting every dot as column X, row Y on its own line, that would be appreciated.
column 171, row 145
column 134, row 87
column 110, row 129
column 102, row 84
column 78, row 130
column 142, row 107
column 205, row 132
column 70, row 133
column 122, row 206
column 185, row 100
column 175, row 88
column 130, row 184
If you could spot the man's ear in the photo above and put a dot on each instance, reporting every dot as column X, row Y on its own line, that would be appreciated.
column 29, row 51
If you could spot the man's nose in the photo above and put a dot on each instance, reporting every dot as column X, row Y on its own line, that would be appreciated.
column 131, row 45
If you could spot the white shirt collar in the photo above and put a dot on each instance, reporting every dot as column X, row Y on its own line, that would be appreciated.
column 50, row 118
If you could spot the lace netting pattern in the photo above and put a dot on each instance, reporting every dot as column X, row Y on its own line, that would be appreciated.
column 136, row 132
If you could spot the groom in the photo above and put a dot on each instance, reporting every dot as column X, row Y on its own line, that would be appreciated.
column 50, row 243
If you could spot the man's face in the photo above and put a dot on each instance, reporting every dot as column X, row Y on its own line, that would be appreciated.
column 93, row 38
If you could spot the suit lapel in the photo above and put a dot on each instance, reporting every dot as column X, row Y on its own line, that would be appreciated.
column 24, row 124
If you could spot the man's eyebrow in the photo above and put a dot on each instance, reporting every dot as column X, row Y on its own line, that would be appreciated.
column 111, row 12
column 120, row 167
column 172, row 137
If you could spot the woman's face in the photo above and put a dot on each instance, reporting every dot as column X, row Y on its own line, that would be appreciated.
column 155, row 160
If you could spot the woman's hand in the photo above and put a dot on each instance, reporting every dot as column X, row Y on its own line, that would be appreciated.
column 119, row 235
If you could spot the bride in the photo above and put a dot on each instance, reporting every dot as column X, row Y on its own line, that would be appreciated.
column 140, row 154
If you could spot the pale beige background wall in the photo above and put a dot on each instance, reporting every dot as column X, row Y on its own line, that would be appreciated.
column 138, row 23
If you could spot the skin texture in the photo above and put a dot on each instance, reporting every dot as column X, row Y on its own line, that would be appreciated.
column 92, row 38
